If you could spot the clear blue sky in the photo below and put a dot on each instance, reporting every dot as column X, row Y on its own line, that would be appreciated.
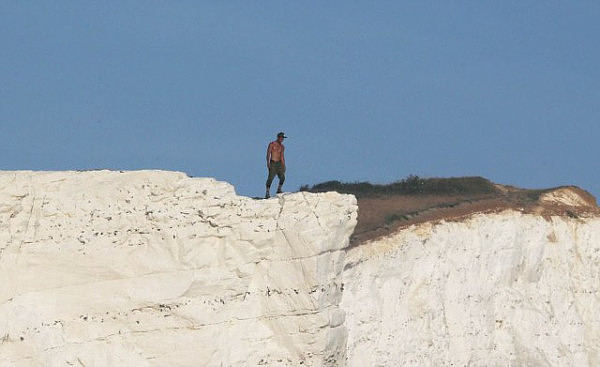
column 365, row 90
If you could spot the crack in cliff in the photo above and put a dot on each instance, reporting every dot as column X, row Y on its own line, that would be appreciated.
column 281, row 200
column 313, row 212
column 30, row 215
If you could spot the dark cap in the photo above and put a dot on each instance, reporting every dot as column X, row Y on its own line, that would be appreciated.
column 281, row 135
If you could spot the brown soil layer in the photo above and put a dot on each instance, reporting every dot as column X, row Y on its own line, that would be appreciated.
column 383, row 215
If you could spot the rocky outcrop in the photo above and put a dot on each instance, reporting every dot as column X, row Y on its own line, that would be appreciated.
column 569, row 196
column 491, row 290
column 158, row 269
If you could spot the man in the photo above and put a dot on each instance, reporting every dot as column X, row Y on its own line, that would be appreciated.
column 276, row 163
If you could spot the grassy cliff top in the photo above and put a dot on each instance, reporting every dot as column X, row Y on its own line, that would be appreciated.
column 384, row 209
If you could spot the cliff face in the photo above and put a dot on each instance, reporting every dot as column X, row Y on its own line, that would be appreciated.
column 497, row 289
column 155, row 268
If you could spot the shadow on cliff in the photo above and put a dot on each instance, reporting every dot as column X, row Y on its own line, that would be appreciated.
column 384, row 209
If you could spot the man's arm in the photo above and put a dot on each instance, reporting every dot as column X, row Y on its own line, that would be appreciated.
column 269, row 156
column 282, row 156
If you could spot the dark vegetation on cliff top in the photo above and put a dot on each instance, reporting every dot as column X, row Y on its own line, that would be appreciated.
column 412, row 185
column 385, row 208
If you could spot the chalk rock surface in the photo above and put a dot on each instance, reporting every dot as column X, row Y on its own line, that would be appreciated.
column 493, row 290
column 155, row 268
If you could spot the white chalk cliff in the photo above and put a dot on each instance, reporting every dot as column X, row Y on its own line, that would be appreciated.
column 155, row 268
column 494, row 290
column 158, row 269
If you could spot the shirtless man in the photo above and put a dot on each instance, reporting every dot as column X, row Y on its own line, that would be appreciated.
column 276, row 163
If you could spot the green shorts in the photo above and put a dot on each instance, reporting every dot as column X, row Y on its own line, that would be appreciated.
column 277, row 168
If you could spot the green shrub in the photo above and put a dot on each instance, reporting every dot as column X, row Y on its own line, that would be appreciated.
column 412, row 185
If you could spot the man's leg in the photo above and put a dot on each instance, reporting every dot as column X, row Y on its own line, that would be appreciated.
column 270, row 178
column 281, row 176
